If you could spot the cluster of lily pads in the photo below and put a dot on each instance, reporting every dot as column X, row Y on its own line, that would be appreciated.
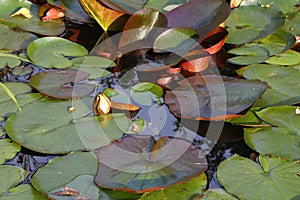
column 119, row 156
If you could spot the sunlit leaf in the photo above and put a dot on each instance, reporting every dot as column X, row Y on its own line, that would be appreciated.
column 140, row 164
column 54, row 49
column 285, row 129
column 104, row 16
column 288, row 57
column 271, row 179
column 9, row 6
column 62, row 84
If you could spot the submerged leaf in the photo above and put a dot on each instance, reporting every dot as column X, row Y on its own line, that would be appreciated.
column 139, row 163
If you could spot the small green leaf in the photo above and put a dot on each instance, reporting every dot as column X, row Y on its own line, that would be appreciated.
column 249, row 55
column 145, row 93
column 288, row 57
column 8, row 150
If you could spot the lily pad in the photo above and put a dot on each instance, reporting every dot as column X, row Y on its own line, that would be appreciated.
column 93, row 65
column 54, row 49
column 142, row 27
column 9, row 60
column 191, row 188
column 272, row 178
column 176, row 40
column 14, row 40
column 212, row 97
column 145, row 93
column 51, row 126
column 217, row 193
column 201, row 15
column 283, row 83
column 284, row 129
column 53, row 177
column 288, row 57
column 35, row 25
column 8, row 150
column 12, row 176
column 250, row 23
column 249, row 55
column 62, row 84
column 278, row 42
column 139, row 163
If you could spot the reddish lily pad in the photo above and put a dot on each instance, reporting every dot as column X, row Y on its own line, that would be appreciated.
column 139, row 163
column 214, row 40
column 213, row 97
column 142, row 26
column 201, row 15
column 62, row 84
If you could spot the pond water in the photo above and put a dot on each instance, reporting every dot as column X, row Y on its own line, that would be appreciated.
column 158, row 118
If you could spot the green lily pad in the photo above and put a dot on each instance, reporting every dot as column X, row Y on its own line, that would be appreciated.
column 22, row 71
column 8, row 150
column 145, row 93
column 14, row 40
column 62, row 84
column 12, row 176
column 250, row 23
column 213, row 97
column 55, row 126
column 272, row 178
column 54, row 49
column 10, row 61
column 283, row 83
column 285, row 129
column 142, row 27
column 53, row 177
column 249, row 55
column 286, row 6
column 139, row 163
column 288, row 57
column 191, row 188
column 176, row 40
column 35, row 25
column 217, row 193
column 107, row 194
column 278, row 42
column 93, row 65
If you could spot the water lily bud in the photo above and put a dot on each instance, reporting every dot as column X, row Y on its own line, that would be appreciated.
column 102, row 104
